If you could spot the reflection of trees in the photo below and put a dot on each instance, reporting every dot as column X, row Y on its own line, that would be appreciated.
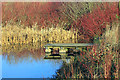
column 16, row 53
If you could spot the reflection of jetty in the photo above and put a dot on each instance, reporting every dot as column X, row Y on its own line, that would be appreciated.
column 64, row 50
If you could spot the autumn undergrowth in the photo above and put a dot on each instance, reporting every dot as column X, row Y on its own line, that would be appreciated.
column 100, row 61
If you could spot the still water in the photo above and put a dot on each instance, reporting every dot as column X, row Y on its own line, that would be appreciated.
column 27, row 62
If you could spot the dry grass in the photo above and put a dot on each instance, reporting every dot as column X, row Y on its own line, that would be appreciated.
column 110, row 48
column 111, row 36
column 14, row 34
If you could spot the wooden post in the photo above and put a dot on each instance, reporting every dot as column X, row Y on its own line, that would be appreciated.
column 51, row 50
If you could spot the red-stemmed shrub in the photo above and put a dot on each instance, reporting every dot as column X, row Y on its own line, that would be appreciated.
column 94, row 23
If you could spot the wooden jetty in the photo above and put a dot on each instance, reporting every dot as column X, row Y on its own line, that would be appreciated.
column 63, row 50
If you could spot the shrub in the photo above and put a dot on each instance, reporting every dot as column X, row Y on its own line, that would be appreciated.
column 94, row 23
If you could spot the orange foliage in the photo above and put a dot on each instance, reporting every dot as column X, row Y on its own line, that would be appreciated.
column 30, row 13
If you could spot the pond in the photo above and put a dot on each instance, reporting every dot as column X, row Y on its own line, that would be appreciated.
column 27, row 62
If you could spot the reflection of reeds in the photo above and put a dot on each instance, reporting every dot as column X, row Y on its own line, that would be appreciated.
column 23, row 53
column 18, row 48
column 15, row 55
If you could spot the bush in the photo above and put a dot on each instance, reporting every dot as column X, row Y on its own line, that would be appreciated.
column 99, row 62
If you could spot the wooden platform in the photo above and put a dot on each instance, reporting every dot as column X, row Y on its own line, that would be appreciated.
column 64, row 49
column 69, row 45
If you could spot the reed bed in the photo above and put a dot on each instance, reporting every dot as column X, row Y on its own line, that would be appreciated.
column 14, row 34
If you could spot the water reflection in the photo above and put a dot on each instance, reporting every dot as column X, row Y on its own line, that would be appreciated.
column 15, row 53
column 15, row 57
column 27, row 61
